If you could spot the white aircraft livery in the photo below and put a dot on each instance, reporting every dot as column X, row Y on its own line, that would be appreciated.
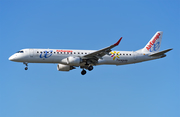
column 85, row 59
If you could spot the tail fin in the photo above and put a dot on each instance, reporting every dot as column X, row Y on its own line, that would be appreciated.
column 154, row 44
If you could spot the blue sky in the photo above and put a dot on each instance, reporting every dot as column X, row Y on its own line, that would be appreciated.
column 148, row 89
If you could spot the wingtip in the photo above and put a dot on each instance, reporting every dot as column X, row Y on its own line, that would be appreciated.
column 117, row 43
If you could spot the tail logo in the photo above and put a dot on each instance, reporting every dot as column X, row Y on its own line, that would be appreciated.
column 155, row 47
column 151, row 43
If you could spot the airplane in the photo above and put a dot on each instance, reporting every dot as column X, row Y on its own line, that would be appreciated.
column 85, row 59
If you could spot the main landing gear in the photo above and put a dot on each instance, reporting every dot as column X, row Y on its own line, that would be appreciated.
column 83, row 72
column 26, row 68
column 90, row 68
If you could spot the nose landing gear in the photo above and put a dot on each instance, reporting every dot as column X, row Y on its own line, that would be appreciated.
column 26, row 68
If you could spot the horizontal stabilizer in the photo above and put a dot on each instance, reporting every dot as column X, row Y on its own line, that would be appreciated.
column 160, row 53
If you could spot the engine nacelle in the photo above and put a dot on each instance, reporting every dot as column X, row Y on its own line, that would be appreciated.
column 61, row 67
column 74, row 61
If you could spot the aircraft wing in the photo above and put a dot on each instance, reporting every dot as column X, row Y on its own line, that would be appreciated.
column 100, row 53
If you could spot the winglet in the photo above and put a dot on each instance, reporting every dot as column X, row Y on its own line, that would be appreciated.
column 117, row 43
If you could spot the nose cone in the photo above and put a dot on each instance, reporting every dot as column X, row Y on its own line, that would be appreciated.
column 12, row 58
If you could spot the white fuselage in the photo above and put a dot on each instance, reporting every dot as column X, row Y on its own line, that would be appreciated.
column 57, row 55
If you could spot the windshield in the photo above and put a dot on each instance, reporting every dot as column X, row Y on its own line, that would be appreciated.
column 20, row 52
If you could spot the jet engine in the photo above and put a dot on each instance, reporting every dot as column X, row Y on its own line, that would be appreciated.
column 74, row 61
column 61, row 67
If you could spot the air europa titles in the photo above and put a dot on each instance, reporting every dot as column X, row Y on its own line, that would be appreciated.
column 64, row 51
column 151, row 43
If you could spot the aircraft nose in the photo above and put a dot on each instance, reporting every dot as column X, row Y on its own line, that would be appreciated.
column 11, row 58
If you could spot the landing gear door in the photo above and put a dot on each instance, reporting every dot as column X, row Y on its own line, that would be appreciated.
column 31, row 52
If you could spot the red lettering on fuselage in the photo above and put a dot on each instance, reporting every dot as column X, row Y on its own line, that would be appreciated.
column 64, row 51
column 151, row 43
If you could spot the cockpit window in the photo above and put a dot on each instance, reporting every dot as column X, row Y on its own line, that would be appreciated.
column 20, row 52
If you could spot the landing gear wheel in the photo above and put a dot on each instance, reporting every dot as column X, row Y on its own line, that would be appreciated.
column 26, row 68
column 26, row 63
column 90, row 68
column 83, row 72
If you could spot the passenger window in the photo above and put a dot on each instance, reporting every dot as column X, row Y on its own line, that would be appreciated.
column 37, row 52
column 126, row 54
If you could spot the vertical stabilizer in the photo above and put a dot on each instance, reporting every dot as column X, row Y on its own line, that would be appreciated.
column 154, row 44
